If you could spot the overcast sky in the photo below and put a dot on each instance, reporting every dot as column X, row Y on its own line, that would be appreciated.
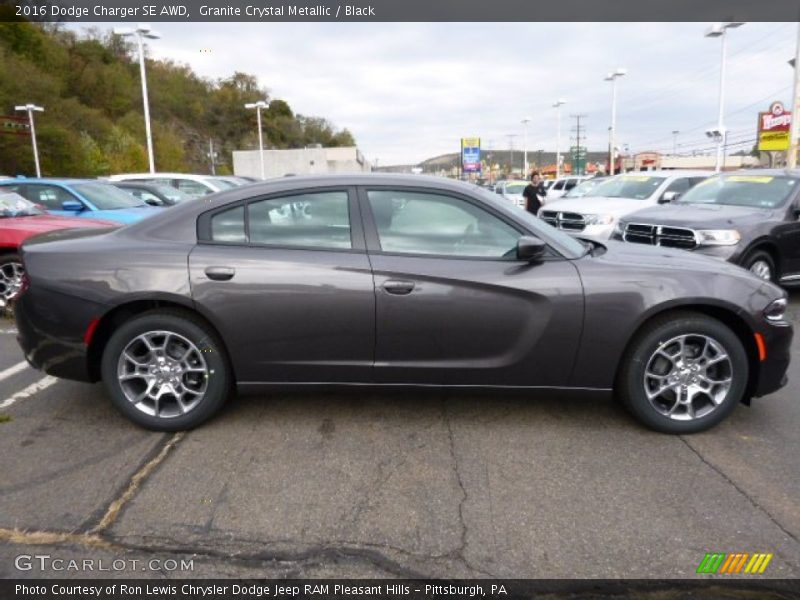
column 409, row 91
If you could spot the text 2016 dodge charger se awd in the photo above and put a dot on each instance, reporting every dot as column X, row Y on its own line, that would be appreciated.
column 392, row 281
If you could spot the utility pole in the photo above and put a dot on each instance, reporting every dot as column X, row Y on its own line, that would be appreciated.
column 675, row 133
column 791, row 159
column 213, row 156
column 577, row 167
column 30, row 109
column 511, row 137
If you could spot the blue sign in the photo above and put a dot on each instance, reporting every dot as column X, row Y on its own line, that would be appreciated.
column 471, row 155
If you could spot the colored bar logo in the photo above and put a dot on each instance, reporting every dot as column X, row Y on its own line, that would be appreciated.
column 737, row 562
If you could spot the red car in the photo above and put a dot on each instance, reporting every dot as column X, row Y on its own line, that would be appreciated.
column 19, row 220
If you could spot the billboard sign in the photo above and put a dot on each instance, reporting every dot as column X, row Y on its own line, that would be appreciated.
column 471, row 155
column 773, row 128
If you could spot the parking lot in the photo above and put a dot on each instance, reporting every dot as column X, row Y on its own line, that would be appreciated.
column 360, row 485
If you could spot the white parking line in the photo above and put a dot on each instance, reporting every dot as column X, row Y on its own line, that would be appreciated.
column 13, row 370
column 42, row 384
column 9, row 331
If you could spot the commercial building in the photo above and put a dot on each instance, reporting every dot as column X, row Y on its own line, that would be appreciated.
column 301, row 161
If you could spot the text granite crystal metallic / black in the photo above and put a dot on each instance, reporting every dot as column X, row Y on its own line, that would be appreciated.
column 386, row 280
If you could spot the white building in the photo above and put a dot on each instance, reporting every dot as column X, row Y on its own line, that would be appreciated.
column 302, row 161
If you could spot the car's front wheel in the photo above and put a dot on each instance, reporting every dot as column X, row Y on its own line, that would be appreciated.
column 683, row 373
column 762, row 265
column 166, row 370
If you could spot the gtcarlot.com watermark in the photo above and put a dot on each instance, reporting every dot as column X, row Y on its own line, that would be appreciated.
column 48, row 562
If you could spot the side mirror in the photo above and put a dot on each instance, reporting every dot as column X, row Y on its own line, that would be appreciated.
column 72, row 205
column 530, row 248
column 153, row 202
column 668, row 197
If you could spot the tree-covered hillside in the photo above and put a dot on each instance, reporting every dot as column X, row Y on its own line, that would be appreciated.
column 93, row 124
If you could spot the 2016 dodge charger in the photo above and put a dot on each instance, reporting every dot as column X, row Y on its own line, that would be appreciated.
column 392, row 281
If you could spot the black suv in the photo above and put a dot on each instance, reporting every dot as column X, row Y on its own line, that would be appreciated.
column 750, row 218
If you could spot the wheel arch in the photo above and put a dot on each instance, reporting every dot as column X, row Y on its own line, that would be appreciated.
column 767, row 245
column 121, row 313
column 725, row 314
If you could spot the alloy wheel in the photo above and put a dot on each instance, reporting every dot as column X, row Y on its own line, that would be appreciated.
column 163, row 374
column 762, row 270
column 10, row 280
column 688, row 377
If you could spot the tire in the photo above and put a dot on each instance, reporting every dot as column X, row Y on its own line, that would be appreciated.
column 10, row 278
column 761, row 264
column 646, row 371
column 146, row 394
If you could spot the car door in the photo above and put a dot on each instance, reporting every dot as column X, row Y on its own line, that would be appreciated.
column 454, row 305
column 286, row 279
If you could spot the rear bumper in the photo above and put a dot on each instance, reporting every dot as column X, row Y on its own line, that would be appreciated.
column 772, row 372
column 50, row 329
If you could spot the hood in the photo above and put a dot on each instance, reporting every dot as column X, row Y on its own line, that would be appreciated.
column 701, row 216
column 125, row 215
column 597, row 205
column 13, row 230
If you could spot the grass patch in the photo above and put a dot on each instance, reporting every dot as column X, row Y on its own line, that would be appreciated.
column 5, row 418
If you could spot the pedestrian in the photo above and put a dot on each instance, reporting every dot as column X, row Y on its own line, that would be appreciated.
column 534, row 193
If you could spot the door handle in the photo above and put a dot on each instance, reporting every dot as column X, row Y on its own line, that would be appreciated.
column 220, row 273
column 393, row 286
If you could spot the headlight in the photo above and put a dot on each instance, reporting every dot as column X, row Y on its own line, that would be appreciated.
column 598, row 219
column 776, row 310
column 718, row 237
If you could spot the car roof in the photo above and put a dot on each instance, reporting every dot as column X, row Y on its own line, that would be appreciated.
column 50, row 180
column 160, row 175
column 670, row 173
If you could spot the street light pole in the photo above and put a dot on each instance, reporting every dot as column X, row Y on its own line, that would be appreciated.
column 675, row 133
column 141, row 32
column 525, row 121
column 718, row 30
column 557, row 105
column 30, row 108
column 612, row 77
column 258, row 106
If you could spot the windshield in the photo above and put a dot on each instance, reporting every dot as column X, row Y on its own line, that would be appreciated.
column 171, row 193
column 14, row 205
column 634, row 187
column 221, row 184
column 515, row 188
column 107, row 197
column 537, row 225
column 583, row 189
column 759, row 191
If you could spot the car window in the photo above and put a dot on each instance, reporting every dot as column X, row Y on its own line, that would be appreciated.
column 193, row 188
column 426, row 223
column 228, row 226
column 559, row 185
column 49, row 196
column 516, row 188
column 571, row 183
column 679, row 185
column 318, row 220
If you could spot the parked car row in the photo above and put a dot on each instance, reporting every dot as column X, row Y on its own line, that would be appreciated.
column 750, row 218
column 32, row 206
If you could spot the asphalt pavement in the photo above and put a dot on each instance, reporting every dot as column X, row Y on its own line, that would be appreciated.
column 395, row 485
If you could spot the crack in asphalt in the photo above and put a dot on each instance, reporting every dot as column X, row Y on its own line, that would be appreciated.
column 114, row 509
column 460, row 551
column 739, row 489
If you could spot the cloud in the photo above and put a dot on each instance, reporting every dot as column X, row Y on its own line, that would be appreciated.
column 409, row 91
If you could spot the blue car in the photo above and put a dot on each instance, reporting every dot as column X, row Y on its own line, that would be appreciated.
column 81, row 198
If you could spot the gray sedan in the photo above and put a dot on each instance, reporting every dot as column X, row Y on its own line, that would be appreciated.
column 385, row 281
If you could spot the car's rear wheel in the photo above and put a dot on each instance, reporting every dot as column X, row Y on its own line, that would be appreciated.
column 11, row 272
column 761, row 264
column 683, row 373
column 166, row 370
